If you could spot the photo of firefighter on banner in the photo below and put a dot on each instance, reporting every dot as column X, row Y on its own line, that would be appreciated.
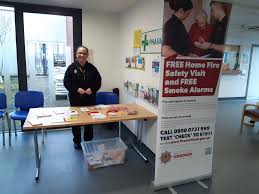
column 194, row 33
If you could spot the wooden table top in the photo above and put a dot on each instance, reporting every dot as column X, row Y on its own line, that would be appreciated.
column 54, row 120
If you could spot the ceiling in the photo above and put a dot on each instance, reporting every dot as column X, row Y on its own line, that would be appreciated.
column 244, row 16
column 114, row 6
column 117, row 5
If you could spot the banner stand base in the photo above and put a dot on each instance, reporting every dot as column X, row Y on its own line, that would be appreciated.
column 181, row 182
column 202, row 184
column 171, row 189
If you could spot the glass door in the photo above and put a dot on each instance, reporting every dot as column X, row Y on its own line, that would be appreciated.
column 8, row 56
column 49, row 51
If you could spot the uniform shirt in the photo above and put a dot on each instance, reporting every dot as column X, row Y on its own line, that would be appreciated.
column 218, row 35
column 176, row 36
column 82, row 77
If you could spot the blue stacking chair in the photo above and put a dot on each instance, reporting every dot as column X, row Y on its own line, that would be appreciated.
column 107, row 98
column 3, row 114
column 23, row 101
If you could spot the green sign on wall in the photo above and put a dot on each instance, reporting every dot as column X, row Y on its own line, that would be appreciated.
column 151, row 42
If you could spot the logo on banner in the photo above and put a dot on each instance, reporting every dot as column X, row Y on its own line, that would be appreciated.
column 182, row 154
column 165, row 157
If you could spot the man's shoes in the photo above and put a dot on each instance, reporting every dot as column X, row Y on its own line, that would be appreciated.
column 77, row 146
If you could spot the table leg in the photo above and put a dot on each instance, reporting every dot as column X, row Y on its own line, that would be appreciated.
column 119, row 129
column 140, row 135
column 9, row 127
column 43, row 135
column 3, row 131
column 139, row 124
column 137, row 148
column 37, row 155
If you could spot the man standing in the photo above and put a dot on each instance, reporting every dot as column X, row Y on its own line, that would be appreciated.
column 82, row 80
column 216, row 44
column 175, row 35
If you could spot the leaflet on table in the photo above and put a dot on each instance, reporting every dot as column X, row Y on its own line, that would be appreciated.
column 98, row 115
column 117, row 113
column 61, row 110
column 57, row 119
column 71, row 118
column 44, row 114
column 52, row 119
column 35, row 122
column 73, row 113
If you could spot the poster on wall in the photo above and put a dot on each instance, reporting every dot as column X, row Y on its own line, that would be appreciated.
column 156, row 67
column 137, row 38
column 151, row 42
column 189, row 93
column 131, row 88
column 135, row 63
column 149, row 94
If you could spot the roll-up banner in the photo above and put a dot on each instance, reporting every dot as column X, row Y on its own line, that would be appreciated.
column 193, row 48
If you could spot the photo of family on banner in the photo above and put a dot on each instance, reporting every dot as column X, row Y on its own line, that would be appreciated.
column 194, row 34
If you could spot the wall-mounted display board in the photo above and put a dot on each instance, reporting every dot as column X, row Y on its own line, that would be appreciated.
column 151, row 42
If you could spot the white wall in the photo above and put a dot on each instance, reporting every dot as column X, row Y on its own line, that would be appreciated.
column 253, row 91
column 146, row 15
column 101, row 34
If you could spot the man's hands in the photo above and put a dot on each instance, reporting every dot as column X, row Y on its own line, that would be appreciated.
column 82, row 91
column 88, row 91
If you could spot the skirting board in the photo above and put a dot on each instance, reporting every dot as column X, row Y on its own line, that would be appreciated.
column 181, row 182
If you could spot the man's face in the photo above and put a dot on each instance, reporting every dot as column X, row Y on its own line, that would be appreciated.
column 186, row 14
column 82, row 55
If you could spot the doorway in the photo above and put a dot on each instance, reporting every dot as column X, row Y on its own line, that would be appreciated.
column 49, row 51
